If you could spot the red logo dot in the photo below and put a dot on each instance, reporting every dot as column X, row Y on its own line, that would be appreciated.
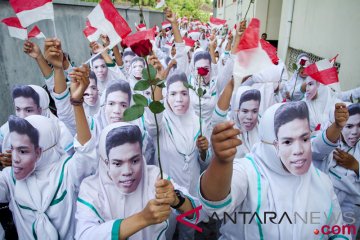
column 316, row 231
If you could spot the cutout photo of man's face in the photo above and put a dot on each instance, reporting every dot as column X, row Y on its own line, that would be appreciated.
column 125, row 166
column 136, row 69
column 178, row 98
column 294, row 146
column 91, row 93
column 25, row 107
column 100, row 69
column 351, row 131
column 24, row 155
column 311, row 89
column 248, row 114
column 116, row 104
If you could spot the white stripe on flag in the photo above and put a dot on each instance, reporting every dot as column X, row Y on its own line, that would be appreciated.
column 29, row 17
column 40, row 35
column 98, row 20
column 323, row 65
column 18, row 33
column 94, row 37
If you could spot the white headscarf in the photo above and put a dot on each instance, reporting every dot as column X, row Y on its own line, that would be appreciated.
column 287, row 192
column 38, row 189
column 44, row 101
column 101, row 192
column 183, row 129
column 322, row 106
column 249, row 138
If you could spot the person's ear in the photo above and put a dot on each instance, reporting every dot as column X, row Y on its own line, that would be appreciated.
column 107, row 162
column 276, row 145
column 38, row 152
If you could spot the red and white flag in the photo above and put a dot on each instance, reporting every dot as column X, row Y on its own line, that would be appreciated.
column 270, row 50
column 141, row 27
column 36, row 33
column 216, row 22
column 31, row 11
column 323, row 71
column 194, row 34
column 91, row 33
column 165, row 25
column 159, row 3
column 251, row 58
column 106, row 18
column 15, row 28
column 189, row 43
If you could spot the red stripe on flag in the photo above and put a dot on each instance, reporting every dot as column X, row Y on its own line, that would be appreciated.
column 23, row 5
column 189, row 42
column 34, row 32
column 12, row 22
column 89, row 30
column 136, row 37
column 270, row 50
column 111, row 14
column 327, row 76
column 250, row 38
column 311, row 69
column 217, row 21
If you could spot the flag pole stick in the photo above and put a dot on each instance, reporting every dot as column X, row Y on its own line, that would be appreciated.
column 95, row 55
column 54, row 28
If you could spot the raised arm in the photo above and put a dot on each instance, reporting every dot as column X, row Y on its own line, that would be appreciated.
column 33, row 50
column 171, row 17
column 239, row 31
column 79, row 83
column 333, row 133
column 216, row 181
column 54, row 55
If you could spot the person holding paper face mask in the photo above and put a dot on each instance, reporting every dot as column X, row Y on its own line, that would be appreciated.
column 125, row 198
column 277, row 176
column 41, row 186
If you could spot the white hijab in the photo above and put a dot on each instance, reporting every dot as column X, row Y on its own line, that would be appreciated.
column 248, row 138
column 183, row 129
column 104, row 195
column 287, row 192
column 44, row 101
column 321, row 107
column 38, row 189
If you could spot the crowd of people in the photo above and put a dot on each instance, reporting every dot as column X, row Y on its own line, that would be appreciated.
column 266, row 143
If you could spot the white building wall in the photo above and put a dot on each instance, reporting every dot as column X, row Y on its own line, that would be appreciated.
column 325, row 28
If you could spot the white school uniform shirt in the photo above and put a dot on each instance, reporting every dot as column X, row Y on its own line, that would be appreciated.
column 213, row 90
column 101, row 206
column 260, row 184
column 346, row 183
column 248, row 138
column 179, row 155
column 66, row 136
column 321, row 107
column 43, row 204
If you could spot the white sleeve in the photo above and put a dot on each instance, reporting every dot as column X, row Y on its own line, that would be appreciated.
column 90, row 225
column 84, row 162
column 115, row 69
column 65, row 111
column 50, row 82
column 181, row 57
column 321, row 146
column 239, row 188
column 225, row 73
column 4, row 185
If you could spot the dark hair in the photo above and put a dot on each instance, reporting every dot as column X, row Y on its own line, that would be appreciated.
column 354, row 109
column 289, row 112
column 119, row 85
column 176, row 76
column 92, row 75
column 121, row 135
column 23, row 127
column 128, row 52
column 252, row 94
column 137, row 59
column 264, row 34
column 26, row 92
column 97, row 58
column 202, row 55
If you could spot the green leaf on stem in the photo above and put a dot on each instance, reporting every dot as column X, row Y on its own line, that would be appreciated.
column 133, row 112
column 141, row 85
column 140, row 100
column 294, row 67
column 200, row 92
column 156, row 107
